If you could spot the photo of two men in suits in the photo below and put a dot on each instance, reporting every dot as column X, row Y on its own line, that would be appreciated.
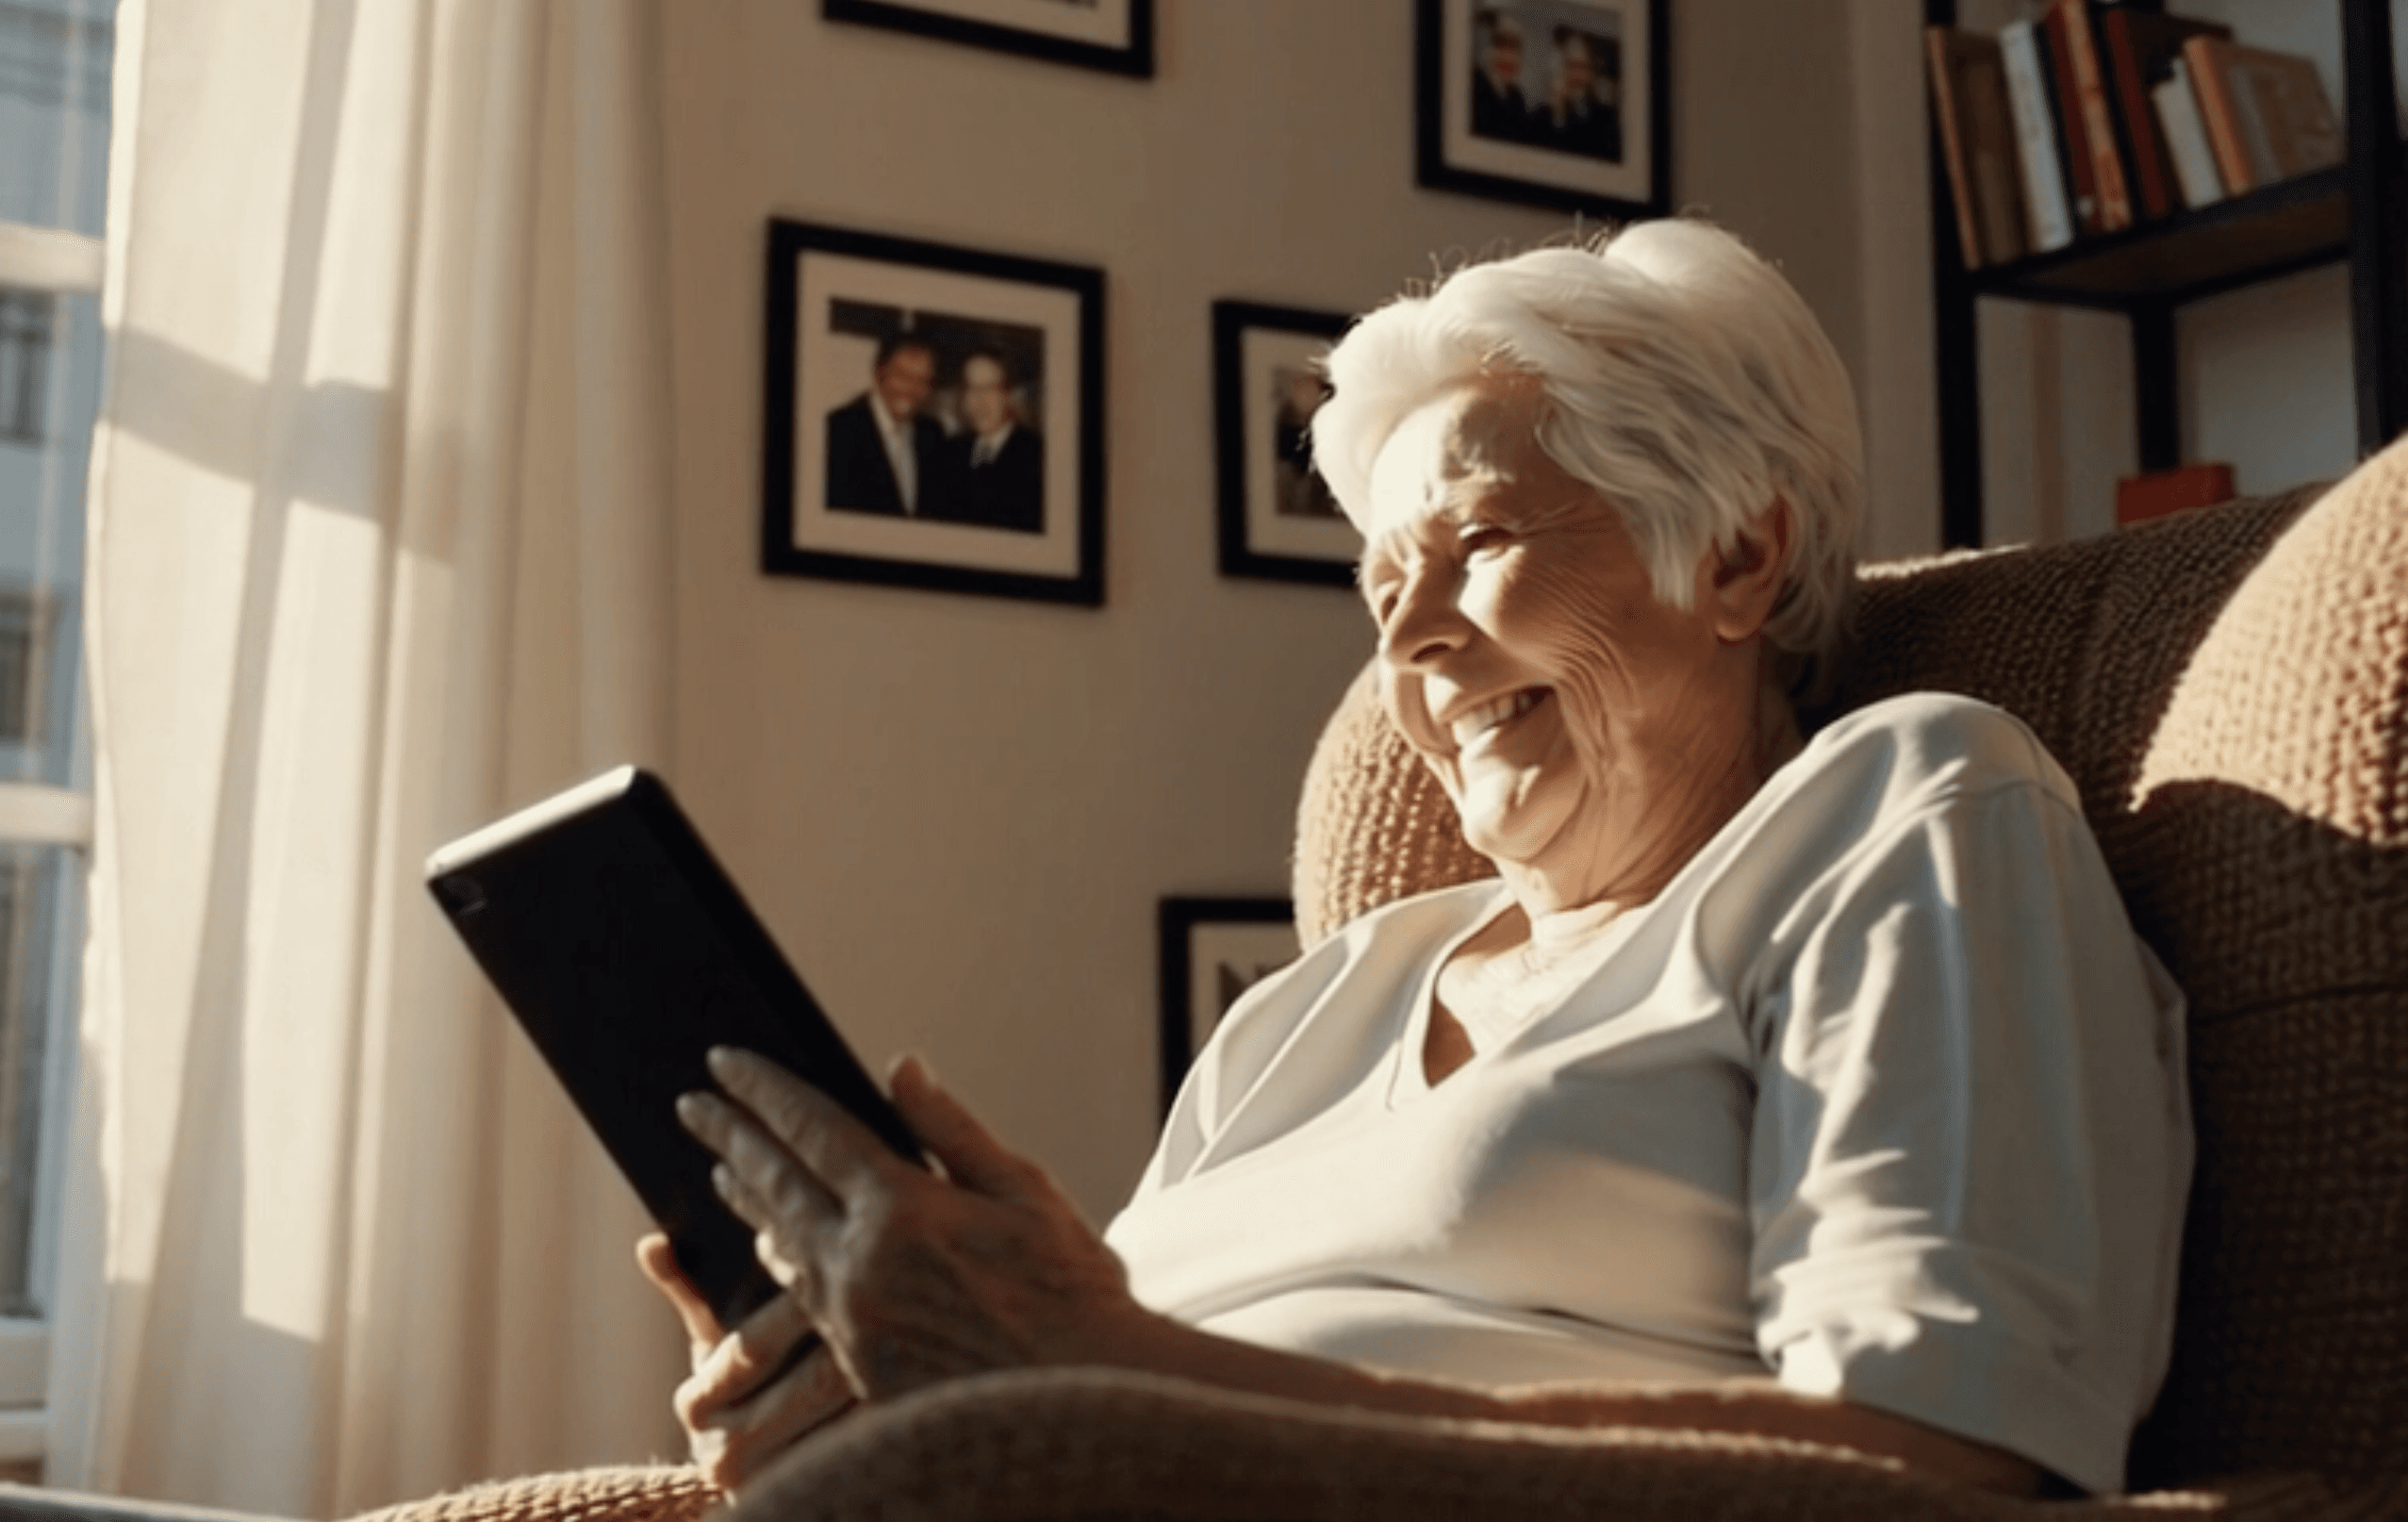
column 1578, row 111
column 889, row 452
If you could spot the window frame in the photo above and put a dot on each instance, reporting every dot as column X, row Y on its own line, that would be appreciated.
column 43, row 260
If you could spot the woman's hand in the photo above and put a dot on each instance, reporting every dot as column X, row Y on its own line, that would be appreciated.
column 738, row 1409
column 913, row 1277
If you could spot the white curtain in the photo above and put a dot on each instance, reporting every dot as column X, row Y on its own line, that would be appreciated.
column 380, row 548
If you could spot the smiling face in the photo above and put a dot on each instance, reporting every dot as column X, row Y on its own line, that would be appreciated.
column 1504, row 56
column 1587, row 733
column 1579, row 68
column 986, row 393
column 905, row 379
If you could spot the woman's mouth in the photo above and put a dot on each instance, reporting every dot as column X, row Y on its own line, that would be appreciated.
column 1470, row 726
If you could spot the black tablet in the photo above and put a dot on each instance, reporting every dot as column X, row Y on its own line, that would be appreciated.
column 626, row 954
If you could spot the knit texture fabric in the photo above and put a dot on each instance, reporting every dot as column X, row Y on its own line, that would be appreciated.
column 2229, row 691
column 1093, row 1444
column 645, row 1493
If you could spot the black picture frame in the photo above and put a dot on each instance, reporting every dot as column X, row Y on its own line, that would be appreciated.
column 1277, row 519
column 1117, row 36
column 1212, row 950
column 830, row 499
column 1613, row 162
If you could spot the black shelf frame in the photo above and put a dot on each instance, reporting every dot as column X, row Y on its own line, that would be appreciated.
column 2356, row 211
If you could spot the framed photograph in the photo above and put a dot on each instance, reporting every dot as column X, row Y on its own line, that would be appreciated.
column 933, row 417
column 1278, row 518
column 1117, row 35
column 1553, row 103
column 1213, row 950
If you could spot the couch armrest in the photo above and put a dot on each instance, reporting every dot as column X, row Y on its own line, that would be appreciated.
column 1092, row 1443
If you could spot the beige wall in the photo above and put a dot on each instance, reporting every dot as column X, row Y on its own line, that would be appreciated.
column 959, row 813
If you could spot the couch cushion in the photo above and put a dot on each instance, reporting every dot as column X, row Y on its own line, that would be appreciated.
column 2266, row 852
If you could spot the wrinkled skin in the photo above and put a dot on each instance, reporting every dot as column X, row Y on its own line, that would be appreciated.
column 911, row 1277
column 1496, row 577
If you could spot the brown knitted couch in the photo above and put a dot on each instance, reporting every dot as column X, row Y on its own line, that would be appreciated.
column 2230, row 691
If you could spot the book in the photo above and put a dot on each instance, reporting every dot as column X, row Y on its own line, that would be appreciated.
column 2301, row 130
column 1977, row 141
column 2141, row 47
column 2177, row 107
column 2065, row 102
column 2048, row 201
column 2099, row 134
column 2244, row 157
column 1942, row 70
column 2139, row 498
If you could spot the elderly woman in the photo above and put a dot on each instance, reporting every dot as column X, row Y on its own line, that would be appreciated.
column 1808, row 1087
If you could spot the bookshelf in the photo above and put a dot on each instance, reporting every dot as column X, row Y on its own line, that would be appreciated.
column 2356, row 212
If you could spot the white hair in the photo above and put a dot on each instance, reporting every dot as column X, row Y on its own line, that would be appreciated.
column 1678, row 374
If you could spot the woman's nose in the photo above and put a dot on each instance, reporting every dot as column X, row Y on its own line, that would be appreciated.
column 1427, row 625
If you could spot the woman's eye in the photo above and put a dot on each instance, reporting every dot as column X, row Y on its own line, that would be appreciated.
column 1485, row 540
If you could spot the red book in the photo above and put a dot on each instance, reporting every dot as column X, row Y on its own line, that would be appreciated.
column 2079, row 165
column 2139, row 498
column 2098, row 113
column 2141, row 47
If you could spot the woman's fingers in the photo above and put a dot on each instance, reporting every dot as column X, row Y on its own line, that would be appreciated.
column 743, row 1363
column 750, row 1399
column 767, row 1172
column 842, row 1155
column 779, row 1238
column 762, row 1186
column 838, row 1151
column 972, row 1155
column 737, row 1448
column 658, row 1260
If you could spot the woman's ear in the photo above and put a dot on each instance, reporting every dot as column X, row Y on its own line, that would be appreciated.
column 1749, row 576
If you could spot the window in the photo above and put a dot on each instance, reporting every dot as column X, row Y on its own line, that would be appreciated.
column 25, row 641
column 26, row 317
column 55, row 60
